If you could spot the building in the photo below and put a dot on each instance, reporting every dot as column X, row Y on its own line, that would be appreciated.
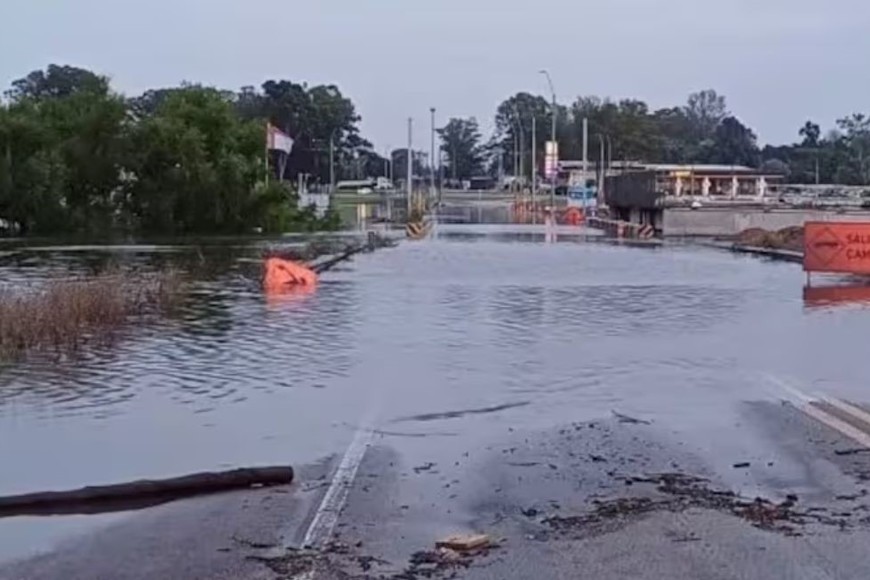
column 641, row 192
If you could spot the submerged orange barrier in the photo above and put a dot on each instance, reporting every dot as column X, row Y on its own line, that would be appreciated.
column 282, row 275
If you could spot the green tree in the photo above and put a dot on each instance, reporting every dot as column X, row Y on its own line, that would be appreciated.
column 64, row 147
column 734, row 144
column 811, row 134
column 57, row 81
column 705, row 110
column 32, row 173
column 194, row 167
column 314, row 117
column 399, row 159
column 513, row 123
column 461, row 145
column 673, row 136
column 853, row 150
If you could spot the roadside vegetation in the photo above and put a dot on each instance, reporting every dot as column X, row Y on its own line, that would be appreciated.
column 63, row 315
column 78, row 157
column 790, row 238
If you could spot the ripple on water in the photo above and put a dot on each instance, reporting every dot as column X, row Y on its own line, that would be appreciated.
column 448, row 335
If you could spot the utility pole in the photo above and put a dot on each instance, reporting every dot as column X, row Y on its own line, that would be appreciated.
column 516, row 159
column 585, row 146
column 440, row 175
column 410, row 160
column 555, row 168
column 522, row 148
column 602, row 170
column 388, row 165
column 332, row 162
column 609, row 152
column 432, row 158
column 534, row 158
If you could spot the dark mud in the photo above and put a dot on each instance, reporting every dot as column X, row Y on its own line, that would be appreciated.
column 339, row 561
column 676, row 492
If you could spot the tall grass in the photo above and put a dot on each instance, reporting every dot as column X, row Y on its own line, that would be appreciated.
column 64, row 314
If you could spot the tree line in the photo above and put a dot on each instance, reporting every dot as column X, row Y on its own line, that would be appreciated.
column 77, row 156
column 703, row 130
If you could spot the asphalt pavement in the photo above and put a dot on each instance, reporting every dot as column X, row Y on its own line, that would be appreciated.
column 596, row 411
column 618, row 497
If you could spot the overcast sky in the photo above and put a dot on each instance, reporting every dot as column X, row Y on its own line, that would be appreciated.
column 779, row 62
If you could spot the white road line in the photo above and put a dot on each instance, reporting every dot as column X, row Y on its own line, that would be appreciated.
column 796, row 395
column 327, row 514
column 804, row 403
column 859, row 414
column 845, row 428
column 326, row 517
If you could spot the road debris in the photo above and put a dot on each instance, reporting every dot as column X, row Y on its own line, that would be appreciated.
column 629, row 420
column 742, row 465
column 291, row 564
column 678, row 492
column 464, row 542
column 855, row 451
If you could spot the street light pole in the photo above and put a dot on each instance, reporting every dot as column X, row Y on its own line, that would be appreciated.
column 388, row 165
column 602, row 170
column 534, row 159
column 520, row 172
column 410, row 160
column 516, row 159
column 332, row 162
column 432, row 158
column 553, row 139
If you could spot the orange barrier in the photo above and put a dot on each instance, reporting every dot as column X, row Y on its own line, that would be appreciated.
column 842, row 247
column 282, row 275
column 574, row 216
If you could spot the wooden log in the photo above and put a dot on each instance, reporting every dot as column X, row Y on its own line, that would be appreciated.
column 85, row 500
column 334, row 261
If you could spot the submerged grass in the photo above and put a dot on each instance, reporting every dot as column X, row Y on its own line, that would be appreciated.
column 63, row 315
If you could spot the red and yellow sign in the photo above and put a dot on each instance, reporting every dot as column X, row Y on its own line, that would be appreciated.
column 837, row 247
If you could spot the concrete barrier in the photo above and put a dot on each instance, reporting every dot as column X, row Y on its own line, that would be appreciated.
column 622, row 229
column 724, row 221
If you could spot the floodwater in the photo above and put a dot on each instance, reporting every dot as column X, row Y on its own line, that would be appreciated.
column 428, row 343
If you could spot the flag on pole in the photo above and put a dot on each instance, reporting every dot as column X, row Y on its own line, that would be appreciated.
column 277, row 140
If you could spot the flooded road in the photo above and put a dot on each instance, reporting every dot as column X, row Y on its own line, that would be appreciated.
column 428, row 346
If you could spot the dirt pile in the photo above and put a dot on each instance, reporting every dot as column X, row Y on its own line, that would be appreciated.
column 790, row 238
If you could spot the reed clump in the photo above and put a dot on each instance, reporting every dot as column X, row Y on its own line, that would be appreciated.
column 64, row 314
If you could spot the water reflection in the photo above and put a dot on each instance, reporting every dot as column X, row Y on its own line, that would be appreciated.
column 839, row 295
column 452, row 337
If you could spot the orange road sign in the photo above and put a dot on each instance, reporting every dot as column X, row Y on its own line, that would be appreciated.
column 837, row 247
